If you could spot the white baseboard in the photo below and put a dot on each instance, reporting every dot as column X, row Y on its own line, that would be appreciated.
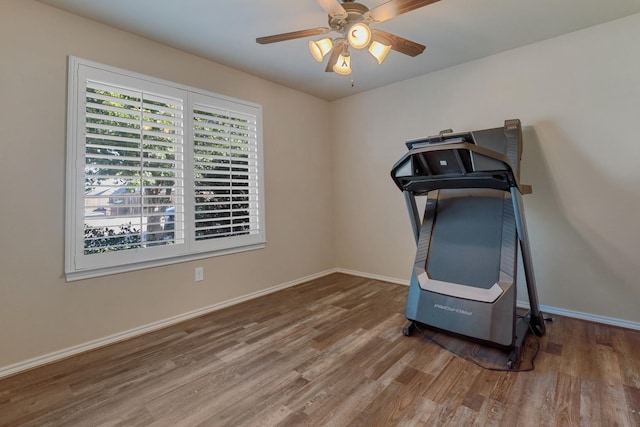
column 372, row 276
column 612, row 321
column 101, row 342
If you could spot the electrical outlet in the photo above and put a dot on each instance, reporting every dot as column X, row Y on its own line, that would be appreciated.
column 199, row 274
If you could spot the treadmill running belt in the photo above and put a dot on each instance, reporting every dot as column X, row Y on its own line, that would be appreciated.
column 466, row 238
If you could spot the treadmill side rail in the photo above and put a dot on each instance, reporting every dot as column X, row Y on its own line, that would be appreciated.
column 537, row 321
column 414, row 216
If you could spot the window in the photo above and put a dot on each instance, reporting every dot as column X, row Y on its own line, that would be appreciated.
column 157, row 172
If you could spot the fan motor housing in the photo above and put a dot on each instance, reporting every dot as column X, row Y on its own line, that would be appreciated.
column 355, row 13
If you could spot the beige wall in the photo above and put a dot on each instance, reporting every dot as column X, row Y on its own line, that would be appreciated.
column 578, row 97
column 330, row 200
column 39, row 312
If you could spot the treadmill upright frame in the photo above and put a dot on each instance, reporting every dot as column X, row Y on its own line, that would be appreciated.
column 453, row 161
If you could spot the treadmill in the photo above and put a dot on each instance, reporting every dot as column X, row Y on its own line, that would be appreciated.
column 465, row 271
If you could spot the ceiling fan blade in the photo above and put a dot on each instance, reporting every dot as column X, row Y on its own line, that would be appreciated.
column 394, row 8
column 397, row 43
column 292, row 35
column 333, row 8
column 333, row 58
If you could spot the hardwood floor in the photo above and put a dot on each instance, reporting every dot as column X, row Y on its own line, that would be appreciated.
column 330, row 352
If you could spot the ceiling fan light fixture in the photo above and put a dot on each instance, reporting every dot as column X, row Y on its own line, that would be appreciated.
column 359, row 35
column 320, row 48
column 379, row 50
column 343, row 64
column 351, row 20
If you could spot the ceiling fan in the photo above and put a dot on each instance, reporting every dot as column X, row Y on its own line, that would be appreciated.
column 352, row 21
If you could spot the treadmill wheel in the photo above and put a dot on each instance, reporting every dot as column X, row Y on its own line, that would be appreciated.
column 408, row 330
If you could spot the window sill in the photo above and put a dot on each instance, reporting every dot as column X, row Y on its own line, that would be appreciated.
column 73, row 276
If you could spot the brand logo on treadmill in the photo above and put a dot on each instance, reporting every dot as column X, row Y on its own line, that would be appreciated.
column 457, row 310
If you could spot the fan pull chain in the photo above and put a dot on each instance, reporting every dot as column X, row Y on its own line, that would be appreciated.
column 353, row 83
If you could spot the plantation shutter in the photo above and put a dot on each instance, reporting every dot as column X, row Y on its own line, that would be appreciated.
column 226, row 174
column 133, row 179
column 157, row 172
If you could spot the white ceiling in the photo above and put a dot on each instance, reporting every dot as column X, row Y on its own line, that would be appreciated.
column 454, row 31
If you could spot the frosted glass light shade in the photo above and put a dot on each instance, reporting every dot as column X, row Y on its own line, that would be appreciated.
column 379, row 51
column 320, row 48
column 343, row 64
column 359, row 35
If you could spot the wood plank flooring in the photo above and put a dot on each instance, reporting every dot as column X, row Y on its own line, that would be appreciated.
column 330, row 353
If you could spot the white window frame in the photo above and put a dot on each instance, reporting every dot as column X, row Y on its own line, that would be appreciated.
column 81, row 265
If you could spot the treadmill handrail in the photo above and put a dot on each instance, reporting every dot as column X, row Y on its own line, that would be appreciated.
column 514, row 182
